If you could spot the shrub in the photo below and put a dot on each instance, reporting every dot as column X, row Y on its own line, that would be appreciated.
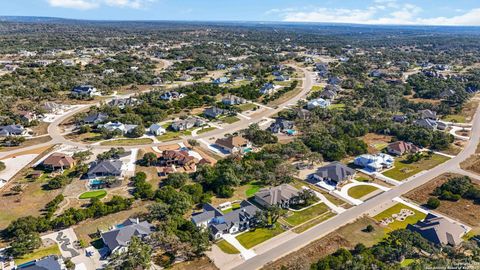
column 433, row 203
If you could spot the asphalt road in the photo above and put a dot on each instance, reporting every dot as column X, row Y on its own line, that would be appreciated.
column 353, row 213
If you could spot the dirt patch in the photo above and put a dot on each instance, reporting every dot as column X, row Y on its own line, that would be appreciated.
column 203, row 263
column 462, row 210
column 472, row 163
column 27, row 143
column 376, row 142
column 343, row 237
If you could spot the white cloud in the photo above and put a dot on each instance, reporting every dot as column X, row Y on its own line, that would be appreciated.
column 75, row 4
column 380, row 12
column 91, row 4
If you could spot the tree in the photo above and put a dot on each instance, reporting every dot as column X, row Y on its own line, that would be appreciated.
column 136, row 132
column 433, row 203
column 2, row 166
column 176, row 180
column 25, row 243
column 369, row 228
column 268, row 217
column 82, row 156
column 149, row 159
column 57, row 182
column 17, row 188
column 193, row 142
column 137, row 256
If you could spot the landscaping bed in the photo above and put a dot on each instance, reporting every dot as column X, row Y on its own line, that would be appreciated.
column 397, row 224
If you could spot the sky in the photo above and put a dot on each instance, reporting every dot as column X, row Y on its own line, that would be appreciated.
column 399, row 12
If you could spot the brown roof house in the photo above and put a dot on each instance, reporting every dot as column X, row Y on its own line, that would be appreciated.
column 282, row 196
column 400, row 147
column 58, row 161
column 234, row 144
column 439, row 230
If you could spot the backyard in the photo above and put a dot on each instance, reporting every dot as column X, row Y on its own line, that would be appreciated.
column 358, row 192
column 252, row 238
column 397, row 224
column 404, row 170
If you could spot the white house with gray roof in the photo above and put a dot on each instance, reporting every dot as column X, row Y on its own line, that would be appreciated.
column 335, row 172
column 117, row 240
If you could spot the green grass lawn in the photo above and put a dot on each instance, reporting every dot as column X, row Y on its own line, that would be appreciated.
column 133, row 141
column 227, row 247
column 93, row 194
column 316, row 88
column 252, row 189
column 38, row 254
column 230, row 119
column 300, row 217
column 399, row 224
column 173, row 135
column 358, row 192
column 457, row 118
column 404, row 170
column 407, row 262
column 246, row 107
column 207, row 129
column 307, row 225
column 234, row 206
column 252, row 238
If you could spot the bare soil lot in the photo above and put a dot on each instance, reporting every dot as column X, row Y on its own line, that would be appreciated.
column 462, row 210
column 376, row 142
column 347, row 236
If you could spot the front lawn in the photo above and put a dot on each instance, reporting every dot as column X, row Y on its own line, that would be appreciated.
column 173, row 135
column 247, row 107
column 206, row 129
column 396, row 224
column 358, row 192
column 133, row 141
column 38, row 254
column 299, row 217
column 252, row 238
column 403, row 170
column 93, row 194
column 227, row 247
column 230, row 119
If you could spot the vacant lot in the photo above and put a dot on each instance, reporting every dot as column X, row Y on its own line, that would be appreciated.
column 376, row 142
column 403, row 170
column 347, row 237
column 137, row 141
column 465, row 115
column 299, row 217
column 358, row 192
column 396, row 224
column 230, row 119
column 27, row 143
column 462, row 210
column 253, row 238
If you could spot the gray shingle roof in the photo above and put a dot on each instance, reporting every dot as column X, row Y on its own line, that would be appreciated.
column 439, row 230
column 46, row 263
column 278, row 194
column 121, row 236
column 335, row 171
column 109, row 167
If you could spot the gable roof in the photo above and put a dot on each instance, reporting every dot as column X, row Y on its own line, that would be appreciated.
column 439, row 230
column 46, row 263
column 59, row 160
column 402, row 147
column 231, row 142
column 278, row 194
column 112, row 167
column 121, row 236
column 335, row 171
column 95, row 118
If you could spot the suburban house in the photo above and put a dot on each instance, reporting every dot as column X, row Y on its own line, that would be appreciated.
column 374, row 163
column 117, row 240
column 430, row 124
column 51, row 262
column 233, row 100
column 113, row 126
column 439, row 230
column 400, row 147
column 281, row 125
column 428, row 114
column 334, row 172
column 218, row 223
column 105, row 168
column 58, row 161
column 234, row 144
column 171, row 95
column 214, row 112
column 52, row 107
column 328, row 94
column 12, row 130
column 447, row 93
column 282, row 78
column 156, row 129
column 185, row 124
column 281, row 196
column 85, row 90
column 27, row 116
column 220, row 66
column 319, row 102
column 123, row 102
column 95, row 118
column 267, row 89
column 221, row 80
column 334, row 80
column 177, row 159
